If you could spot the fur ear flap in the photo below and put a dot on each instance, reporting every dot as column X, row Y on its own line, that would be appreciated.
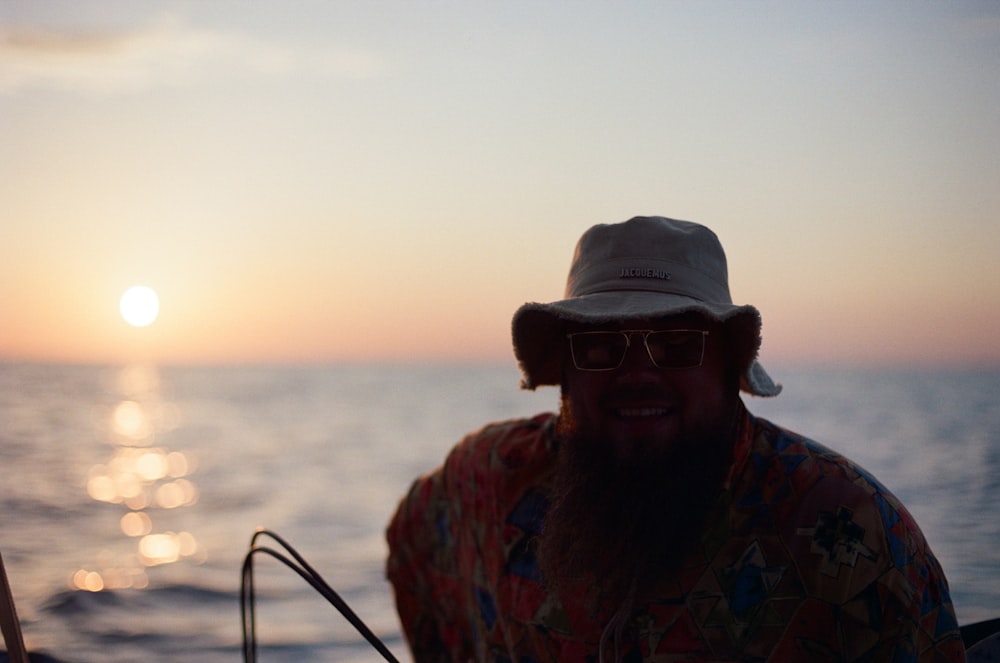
column 742, row 340
column 742, row 337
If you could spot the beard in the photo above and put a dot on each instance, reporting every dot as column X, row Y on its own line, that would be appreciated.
column 617, row 523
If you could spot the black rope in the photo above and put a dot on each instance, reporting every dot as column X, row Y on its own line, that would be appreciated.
column 298, row 564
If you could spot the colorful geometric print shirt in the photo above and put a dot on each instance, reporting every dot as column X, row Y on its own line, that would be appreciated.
column 810, row 559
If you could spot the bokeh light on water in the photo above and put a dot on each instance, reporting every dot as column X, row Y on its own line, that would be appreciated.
column 146, row 479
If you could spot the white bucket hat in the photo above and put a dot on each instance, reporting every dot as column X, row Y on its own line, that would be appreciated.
column 646, row 267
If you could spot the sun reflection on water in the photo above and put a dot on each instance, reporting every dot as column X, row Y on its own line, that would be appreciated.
column 146, row 479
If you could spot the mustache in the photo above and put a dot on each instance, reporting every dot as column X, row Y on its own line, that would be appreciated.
column 636, row 392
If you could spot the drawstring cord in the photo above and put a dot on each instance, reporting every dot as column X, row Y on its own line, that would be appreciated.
column 616, row 625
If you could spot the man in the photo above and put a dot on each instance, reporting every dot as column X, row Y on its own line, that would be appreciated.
column 654, row 518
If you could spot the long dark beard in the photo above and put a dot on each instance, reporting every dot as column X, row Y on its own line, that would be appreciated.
column 617, row 525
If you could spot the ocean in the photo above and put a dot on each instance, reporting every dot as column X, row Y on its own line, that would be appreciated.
column 130, row 493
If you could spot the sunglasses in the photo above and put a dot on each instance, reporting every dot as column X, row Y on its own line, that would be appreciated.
column 605, row 350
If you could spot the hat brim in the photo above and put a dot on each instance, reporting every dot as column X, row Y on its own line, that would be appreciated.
column 538, row 330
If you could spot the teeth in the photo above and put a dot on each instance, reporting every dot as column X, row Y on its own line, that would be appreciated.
column 642, row 411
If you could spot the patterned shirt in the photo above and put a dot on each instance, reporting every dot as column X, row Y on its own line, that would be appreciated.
column 810, row 559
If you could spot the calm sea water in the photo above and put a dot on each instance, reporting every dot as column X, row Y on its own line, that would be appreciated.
column 128, row 495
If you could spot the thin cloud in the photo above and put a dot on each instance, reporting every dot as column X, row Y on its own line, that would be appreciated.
column 167, row 53
column 984, row 27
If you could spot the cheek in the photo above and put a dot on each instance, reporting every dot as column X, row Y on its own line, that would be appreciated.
column 581, row 395
column 710, row 397
column 708, row 400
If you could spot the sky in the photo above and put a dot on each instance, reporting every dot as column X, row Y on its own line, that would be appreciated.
column 322, row 181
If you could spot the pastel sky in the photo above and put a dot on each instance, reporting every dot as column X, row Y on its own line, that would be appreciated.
column 316, row 181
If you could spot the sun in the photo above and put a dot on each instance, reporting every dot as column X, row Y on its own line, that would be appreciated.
column 139, row 306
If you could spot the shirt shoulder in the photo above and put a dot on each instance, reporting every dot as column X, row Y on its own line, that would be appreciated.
column 483, row 467
column 850, row 540
column 505, row 445
column 787, row 464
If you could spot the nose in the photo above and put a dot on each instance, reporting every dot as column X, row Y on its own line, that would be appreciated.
column 637, row 356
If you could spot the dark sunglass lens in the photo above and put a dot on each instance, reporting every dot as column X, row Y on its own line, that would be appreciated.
column 598, row 350
column 676, row 349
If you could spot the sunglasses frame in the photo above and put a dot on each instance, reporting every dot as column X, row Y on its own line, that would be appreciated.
column 627, row 333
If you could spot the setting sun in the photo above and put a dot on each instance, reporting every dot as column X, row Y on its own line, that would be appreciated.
column 139, row 306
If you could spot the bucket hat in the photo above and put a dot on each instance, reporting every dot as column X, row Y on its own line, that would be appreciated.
column 643, row 268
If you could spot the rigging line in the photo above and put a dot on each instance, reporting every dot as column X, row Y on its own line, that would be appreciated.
column 247, row 612
column 312, row 577
column 319, row 585
column 9, row 624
